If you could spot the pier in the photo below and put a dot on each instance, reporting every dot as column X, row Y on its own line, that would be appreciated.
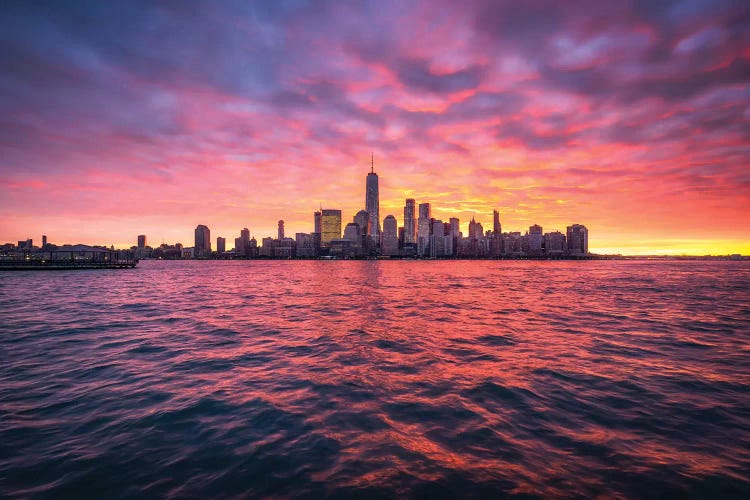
column 69, row 257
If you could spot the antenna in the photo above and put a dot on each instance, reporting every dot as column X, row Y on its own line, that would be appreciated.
column 372, row 167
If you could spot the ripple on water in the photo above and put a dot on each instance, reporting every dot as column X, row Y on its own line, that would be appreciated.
column 377, row 379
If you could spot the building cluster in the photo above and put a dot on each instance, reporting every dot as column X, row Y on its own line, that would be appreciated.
column 25, row 255
column 421, row 235
column 26, row 247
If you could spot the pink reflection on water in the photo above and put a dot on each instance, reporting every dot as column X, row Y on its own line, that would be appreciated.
column 551, row 377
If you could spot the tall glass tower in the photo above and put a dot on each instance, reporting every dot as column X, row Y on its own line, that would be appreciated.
column 410, row 221
column 330, row 226
column 202, row 241
column 578, row 239
column 423, row 228
column 372, row 204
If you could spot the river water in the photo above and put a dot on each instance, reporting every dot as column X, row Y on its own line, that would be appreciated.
column 430, row 379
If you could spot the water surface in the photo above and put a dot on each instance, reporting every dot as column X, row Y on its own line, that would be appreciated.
column 377, row 379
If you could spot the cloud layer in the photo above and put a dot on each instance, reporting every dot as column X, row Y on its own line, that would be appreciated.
column 129, row 118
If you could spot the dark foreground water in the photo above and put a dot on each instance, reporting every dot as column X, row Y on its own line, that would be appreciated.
column 377, row 379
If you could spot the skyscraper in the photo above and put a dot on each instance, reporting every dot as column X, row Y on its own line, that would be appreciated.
column 437, row 239
column 423, row 228
column 281, row 230
column 372, row 204
column 496, row 244
column 330, row 226
column 365, row 243
column 455, row 234
column 536, row 237
column 44, row 241
column 353, row 234
column 315, row 235
column 242, row 244
column 425, row 211
column 362, row 219
column 390, row 236
column 475, row 229
column 202, row 241
column 221, row 244
column 455, row 226
column 410, row 221
column 554, row 243
column 578, row 239
column 317, row 222
column 141, row 240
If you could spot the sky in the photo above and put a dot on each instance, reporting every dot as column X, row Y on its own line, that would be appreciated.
column 126, row 118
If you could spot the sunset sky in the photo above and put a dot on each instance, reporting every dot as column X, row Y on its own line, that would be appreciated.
column 127, row 118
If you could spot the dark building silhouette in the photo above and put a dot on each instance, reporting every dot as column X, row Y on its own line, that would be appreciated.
column 364, row 245
column 554, row 244
column 535, row 240
column 476, row 231
column 372, row 205
column 202, row 242
column 305, row 244
column 318, row 224
column 355, row 234
column 578, row 239
column 389, row 244
column 423, row 228
column 410, row 221
column 341, row 248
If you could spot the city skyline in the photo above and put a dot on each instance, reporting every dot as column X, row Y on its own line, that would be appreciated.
column 134, row 118
column 424, row 236
column 420, row 211
column 333, row 222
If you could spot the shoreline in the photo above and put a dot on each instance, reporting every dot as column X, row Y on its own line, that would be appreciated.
column 521, row 258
